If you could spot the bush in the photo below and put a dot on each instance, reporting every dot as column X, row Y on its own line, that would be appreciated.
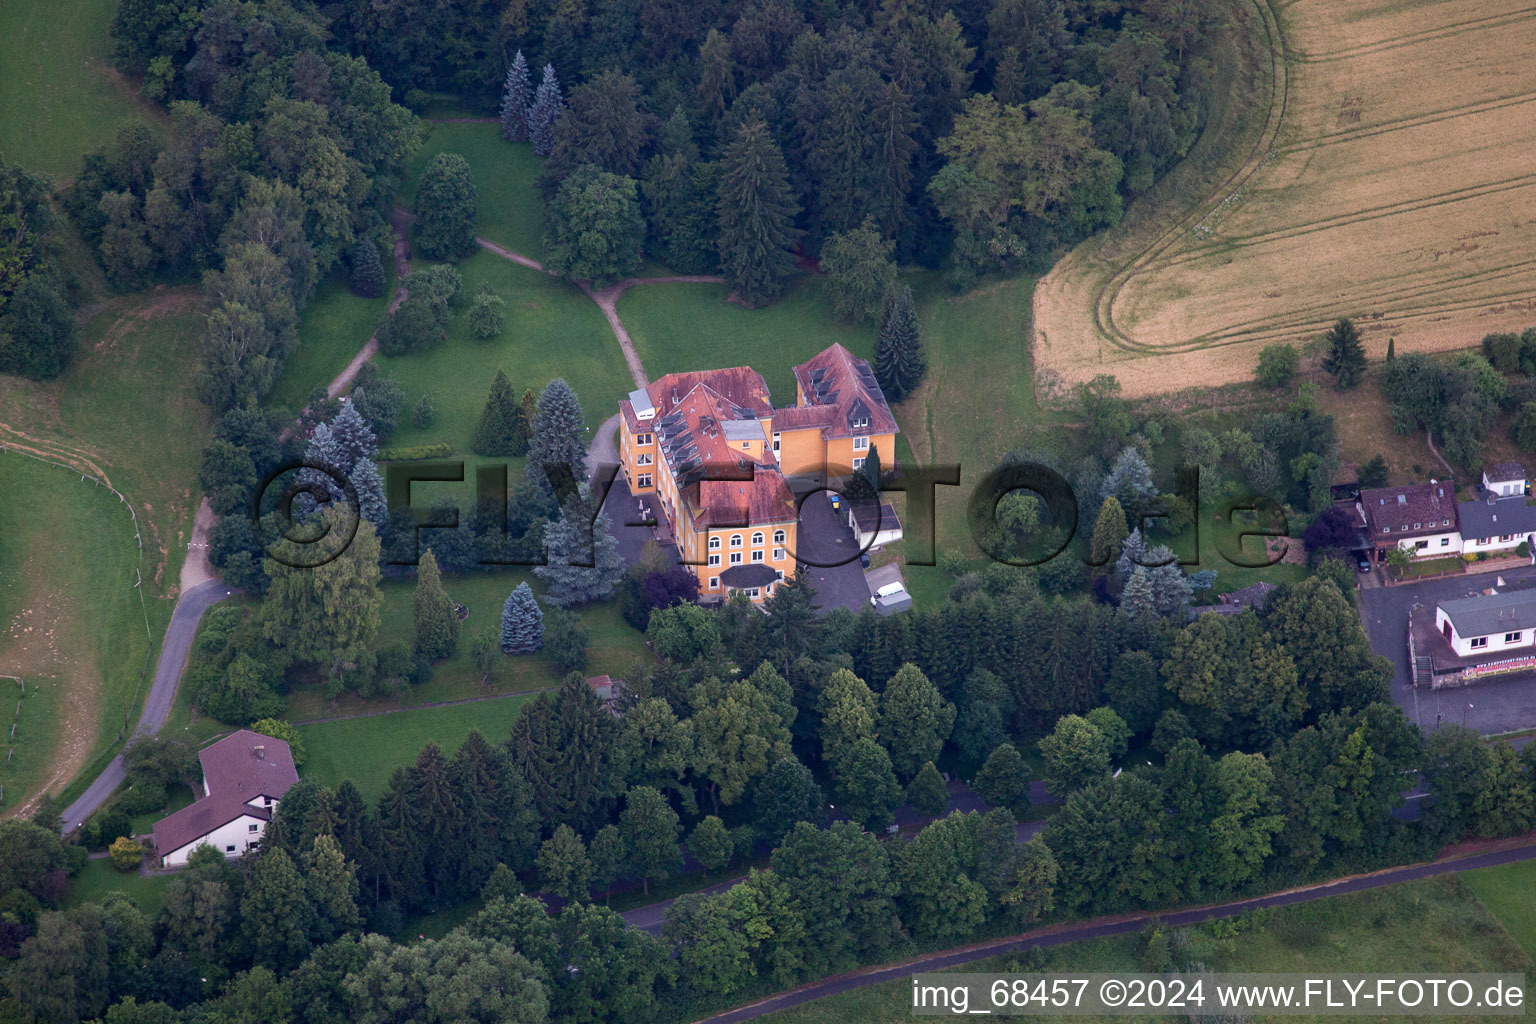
column 415, row 452
column 565, row 640
column 126, row 854
column 1277, row 365
column 447, row 209
column 424, row 412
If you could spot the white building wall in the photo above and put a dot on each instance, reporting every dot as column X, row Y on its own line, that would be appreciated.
column 1435, row 545
column 1504, row 488
column 237, row 834
column 1463, row 645
column 1474, row 545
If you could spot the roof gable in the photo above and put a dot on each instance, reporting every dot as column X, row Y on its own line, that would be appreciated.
column 836, row 377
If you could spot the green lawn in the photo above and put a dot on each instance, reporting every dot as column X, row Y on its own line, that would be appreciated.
column 511, row 212
column 1431, row 926
column 334, row 326
column 71, row 623
column 677, row 327
column 128, row 406
column 99, row 877
column 1432, row 566
column 60, row 93
column 1506, row 892
column 552, row 330
column 613, row 647
column 367, row 750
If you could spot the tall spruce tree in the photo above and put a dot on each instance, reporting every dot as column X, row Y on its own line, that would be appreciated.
column 497, row 432
column 522, row 623
column 1345, row 358
column 367, row 277
column 352, row 437
column 756, row 210
column 555, row 444
column 899, row 358
column 516, row 95
column 548, row 105
column 371, row 504
column 437, row 620
column 522, row 422
column 582, row 560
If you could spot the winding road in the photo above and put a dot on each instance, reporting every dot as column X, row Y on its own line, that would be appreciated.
column 1055, row 935
column 162, row 692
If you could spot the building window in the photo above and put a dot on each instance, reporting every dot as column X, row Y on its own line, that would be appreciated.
column 735, row 540
column 645, row 480
column 642, row 439
column 778, row 554
column 1478, row 641
column 714, row 543
column 1512, row 638
column 1386, row 529
column 757, row 556
column 735, row 557
column 714, row 559
column 753, row 592
column 858, row 463
column 757, row 538
column 253, row 828
column 780, row 572
column 643, row 459
column 775, row 440
column 230, row 848
column 1415, row 526
column 1420, row 545
column 860, row 443
column 714, row 583
column 266, row 801
column 769, row 590
column 778, row 536
column 1444, row 541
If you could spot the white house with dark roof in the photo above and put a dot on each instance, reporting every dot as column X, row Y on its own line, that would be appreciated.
column 245, row 775
column 1421, row 519
column 1495, row 525
column 1504, row 479
column 1488, row 623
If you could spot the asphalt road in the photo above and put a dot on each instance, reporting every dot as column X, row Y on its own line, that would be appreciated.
column 162, row 692
column 1056, row 935
column 1499, row 706
column 826, row 540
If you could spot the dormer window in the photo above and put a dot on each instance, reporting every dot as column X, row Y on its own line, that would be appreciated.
column 1415, row 526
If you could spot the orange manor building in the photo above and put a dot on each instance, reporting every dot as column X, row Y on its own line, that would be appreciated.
column 721, row 466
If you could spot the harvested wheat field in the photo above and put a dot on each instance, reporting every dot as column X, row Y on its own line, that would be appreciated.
column 1384, row 168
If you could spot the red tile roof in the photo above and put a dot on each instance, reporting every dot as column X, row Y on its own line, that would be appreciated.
column 740, row 385
column 1418, row 510
column 765, row 498
column 836, row 377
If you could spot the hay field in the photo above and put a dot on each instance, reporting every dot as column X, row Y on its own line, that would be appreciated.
column 1389, row 174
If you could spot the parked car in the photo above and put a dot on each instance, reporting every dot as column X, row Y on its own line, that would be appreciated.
column 888, row 591
column 1363, row 562
column 864, row 559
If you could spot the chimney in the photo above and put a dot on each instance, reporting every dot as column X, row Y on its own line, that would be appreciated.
column 260, row 751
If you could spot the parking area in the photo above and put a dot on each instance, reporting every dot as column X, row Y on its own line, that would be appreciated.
column 1499, row 706
column 829, row 556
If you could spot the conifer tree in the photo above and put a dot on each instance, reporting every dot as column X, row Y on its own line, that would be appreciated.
column 1391, row 349
column 756, row 212
column 437, row 621
column 441, row 818
column 548, row 105
column 1109, row 532
column 899, row 359
column 516, row 95
column 555, row 443
column 370, row 493
column 496, row 434
column 1137, row 600
column 1346, row 355
column 367, row 277
column 352, row 437
column 331, row 885
column 522, row 422
column 564, row 868
column 582, row 560
column 522, row 623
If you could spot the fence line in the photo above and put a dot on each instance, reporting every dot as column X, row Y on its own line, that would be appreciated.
column 138, row 536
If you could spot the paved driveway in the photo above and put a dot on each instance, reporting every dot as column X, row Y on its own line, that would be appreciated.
column 825, row 538
column 1492, row 707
